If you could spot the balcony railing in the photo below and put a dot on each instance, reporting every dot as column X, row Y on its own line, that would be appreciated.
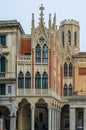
column 37, row 92
column 24, row 58
column 7, row 75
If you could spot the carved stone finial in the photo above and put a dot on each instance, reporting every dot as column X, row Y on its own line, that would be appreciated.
column 41, row 9
column 49, row 20
column 41, row 13
column 33, row 21
column 54, row 20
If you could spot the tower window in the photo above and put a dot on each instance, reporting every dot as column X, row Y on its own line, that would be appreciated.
column 69, row 37
column 75, row 39
column 63, row 39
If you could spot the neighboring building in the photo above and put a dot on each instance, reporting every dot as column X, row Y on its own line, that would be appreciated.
column 42, row 76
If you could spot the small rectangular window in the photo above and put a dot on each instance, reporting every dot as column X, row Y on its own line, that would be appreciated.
column 2, row 89
column 9, row 89
column 3, row 40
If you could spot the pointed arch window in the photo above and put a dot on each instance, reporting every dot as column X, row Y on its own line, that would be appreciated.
column 70, row 89
column 65, row 90
column 65, row 69
column 69, row 37
column 28, row 80
column 63, row 39
column 2, row 64
column 45, row 81
column 75, row 39
column 38, row 81
column 21, row 80
column 38, row 53
column 70, row 70
column 45, row 54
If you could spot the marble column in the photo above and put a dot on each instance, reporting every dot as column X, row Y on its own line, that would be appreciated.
column 20, row 119
column 12, row 122
column 59, row 118
column 32, row 117
column 72, row 119
column 49, row 118
column 55, row 120
column 84, row 119
column 52, row 120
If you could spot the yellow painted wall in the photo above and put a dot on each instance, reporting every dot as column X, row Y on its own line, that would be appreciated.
column 80, row 80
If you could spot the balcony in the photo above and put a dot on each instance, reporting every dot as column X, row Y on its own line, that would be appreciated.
column 7, row 75
column 2, row 74
column 37, row 92
column 24, row 59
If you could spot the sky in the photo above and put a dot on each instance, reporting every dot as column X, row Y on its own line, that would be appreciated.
column 21, row 10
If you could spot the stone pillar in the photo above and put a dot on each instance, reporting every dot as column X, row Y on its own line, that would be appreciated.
column 84, row 119
column 72, row 119
column 20, row 119
column 12, row 122
column 49, row 118
column 52, row 120
column 55, row 120
column 59, row 118
column 32, row 117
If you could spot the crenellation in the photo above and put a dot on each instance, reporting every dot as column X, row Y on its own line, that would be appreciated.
column 69, row 21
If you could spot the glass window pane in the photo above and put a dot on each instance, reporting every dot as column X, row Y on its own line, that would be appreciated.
column 70, row 70
column 27, row 80
column 3, row 40
column 45, row 81
column 45, row 54
column 37, row 80
column 2, row 89
column 65, row 70
column 70, row 90
column 38, row 53
column 21, row 80
column 3, row 64
column 65, row 90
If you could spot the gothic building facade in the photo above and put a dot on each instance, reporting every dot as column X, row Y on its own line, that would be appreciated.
column 42, row 76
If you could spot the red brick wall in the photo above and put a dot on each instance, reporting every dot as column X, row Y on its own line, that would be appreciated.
column 33, row 69
column 49, row 69
column 61, row 81
column 56, row 75
column 51, row 65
